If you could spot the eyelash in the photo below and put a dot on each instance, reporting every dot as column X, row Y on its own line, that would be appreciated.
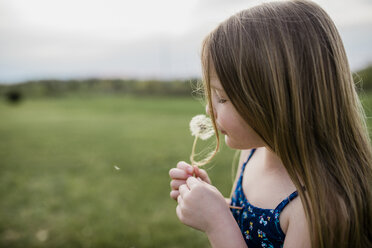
column 221, row 101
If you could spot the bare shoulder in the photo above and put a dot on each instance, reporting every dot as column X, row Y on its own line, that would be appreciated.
column 297, row 231
column 242, row 158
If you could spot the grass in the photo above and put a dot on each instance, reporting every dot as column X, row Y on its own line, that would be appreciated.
column 58, row 184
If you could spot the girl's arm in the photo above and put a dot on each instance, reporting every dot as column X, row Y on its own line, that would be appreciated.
column 297, row 233
column 226, row 235
column 242, row 158
column 202, row 206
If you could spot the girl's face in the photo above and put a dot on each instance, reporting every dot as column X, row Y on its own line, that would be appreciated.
column 238, row 134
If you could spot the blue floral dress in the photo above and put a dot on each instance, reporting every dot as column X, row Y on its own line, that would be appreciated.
column 260, row 227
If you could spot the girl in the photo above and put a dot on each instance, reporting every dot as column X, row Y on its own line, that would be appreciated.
column 279, row 88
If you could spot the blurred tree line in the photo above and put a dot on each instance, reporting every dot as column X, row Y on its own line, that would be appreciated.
column 60, row 88
column 363, row 79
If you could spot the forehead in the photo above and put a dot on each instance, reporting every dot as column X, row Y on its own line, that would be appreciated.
column 215, row 82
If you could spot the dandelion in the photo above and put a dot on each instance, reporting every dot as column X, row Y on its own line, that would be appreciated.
column 200, row 127
column 116, row 168
column 42, row 235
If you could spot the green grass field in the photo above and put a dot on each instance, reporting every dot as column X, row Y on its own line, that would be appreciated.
column 58, row 184
column 59, row 187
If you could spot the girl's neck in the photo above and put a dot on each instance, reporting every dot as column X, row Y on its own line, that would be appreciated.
column 270, row 162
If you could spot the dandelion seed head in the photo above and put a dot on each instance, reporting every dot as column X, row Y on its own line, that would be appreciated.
column 42, row 235
column 201, row 127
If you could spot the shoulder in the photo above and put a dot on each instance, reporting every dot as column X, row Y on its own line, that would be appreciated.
column 297, row 231
column 244, row 156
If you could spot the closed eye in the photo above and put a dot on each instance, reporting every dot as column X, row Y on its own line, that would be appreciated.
column 219, row 98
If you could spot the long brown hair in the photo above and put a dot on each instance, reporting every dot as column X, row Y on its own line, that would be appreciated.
column 284, row 68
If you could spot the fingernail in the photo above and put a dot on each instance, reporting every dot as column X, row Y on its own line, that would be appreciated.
column 190, row 169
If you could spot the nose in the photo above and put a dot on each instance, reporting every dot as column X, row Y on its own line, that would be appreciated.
column 208, row 111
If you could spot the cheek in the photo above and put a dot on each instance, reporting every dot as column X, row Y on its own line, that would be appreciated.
column 244, row 140
column 242, row 136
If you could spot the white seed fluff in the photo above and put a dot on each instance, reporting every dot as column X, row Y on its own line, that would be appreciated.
column 201, row 127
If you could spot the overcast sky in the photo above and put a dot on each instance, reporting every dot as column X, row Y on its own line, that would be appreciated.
column 160, row 39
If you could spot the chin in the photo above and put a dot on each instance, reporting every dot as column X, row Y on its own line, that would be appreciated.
column 230, row 143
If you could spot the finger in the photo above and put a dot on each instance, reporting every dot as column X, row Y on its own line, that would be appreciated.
column 179, row 213
column 175, row 184
column 176, row 173
column 174, row 194
column 204, row 176
column 196, row 171
column 179, row 200
column 183, row 190
column 185, row 166
column 191, row 182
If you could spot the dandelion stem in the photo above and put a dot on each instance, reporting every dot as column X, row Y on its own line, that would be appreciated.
column 193, row 151
column 234, row 207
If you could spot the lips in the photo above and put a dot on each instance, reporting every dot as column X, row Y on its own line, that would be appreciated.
column 219, row 129
column 222, row 131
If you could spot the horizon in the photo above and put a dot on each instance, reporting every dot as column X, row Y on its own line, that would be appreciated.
column 137, row 79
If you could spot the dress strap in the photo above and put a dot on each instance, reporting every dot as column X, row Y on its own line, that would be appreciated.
column 285, row 202
column 249, row 157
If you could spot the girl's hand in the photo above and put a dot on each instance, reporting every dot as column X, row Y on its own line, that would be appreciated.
column 181, row 173
column 202, row 206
